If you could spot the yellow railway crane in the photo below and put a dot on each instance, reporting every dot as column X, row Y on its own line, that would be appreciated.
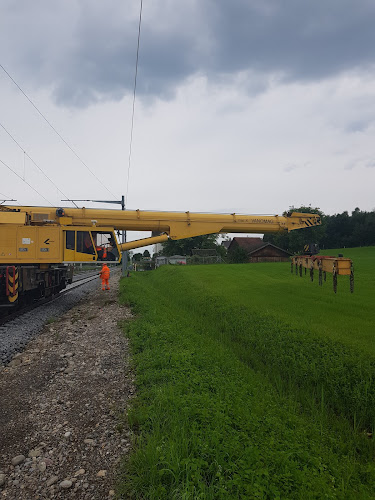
column 36, row 243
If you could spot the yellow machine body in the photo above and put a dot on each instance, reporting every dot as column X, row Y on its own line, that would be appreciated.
column 52, row 244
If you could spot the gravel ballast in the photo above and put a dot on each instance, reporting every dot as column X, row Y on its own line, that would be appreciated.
column 63, row 397
column 16, row 334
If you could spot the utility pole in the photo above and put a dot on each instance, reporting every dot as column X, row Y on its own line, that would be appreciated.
column 124, row 253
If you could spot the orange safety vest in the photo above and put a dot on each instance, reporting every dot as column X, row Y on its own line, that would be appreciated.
column 105, row 272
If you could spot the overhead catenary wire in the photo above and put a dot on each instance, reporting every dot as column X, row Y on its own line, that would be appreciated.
column 33, row 161
column 5, row 196
column 54, row 129
column 23, row 180
column 134, row 93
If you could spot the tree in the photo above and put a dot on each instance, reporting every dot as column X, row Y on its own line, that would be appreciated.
column 238, row 256
column 137, row 257
column 296, row 240
column 222, row 251
column 146, row 253
column 185, row 246
column 337, row 231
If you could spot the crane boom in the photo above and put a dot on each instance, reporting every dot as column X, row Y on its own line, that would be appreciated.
column 174, row 225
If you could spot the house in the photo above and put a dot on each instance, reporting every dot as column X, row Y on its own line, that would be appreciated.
column 161, row 261
column 175, row 259
column 259, row 250
column 226, row 243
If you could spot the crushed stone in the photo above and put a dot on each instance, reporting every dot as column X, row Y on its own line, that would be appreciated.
column 62, row 427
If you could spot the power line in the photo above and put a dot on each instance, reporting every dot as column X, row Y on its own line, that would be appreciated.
column 37, row 166
column 135, row 87
column 53, row 128
column 15, row 173
column 5, row 196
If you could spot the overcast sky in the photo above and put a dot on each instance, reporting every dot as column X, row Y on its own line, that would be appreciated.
column 242, row 105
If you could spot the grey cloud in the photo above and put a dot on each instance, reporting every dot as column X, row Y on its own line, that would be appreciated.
column 359, row 125
column 295, row 166
column 85, row 51
column 289, row 168
column 360, row 162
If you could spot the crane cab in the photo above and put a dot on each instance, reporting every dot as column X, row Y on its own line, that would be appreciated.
column 34, row 259
column 52, row 244
column 88, row 245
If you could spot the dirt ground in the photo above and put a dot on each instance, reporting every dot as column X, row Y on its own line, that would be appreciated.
column 61, row 401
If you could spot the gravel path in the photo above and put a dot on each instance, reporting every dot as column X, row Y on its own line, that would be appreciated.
column 15, row 335
column 62, row 398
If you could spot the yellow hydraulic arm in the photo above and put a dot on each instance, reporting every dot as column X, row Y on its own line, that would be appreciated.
column 174, row 225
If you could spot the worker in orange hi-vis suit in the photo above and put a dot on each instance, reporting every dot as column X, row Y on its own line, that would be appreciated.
column 104, row 274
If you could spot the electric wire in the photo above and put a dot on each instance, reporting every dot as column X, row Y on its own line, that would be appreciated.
column 37, row 166
column 134, row 93
column 15, row 173
column 54, row 129
column 5, row 196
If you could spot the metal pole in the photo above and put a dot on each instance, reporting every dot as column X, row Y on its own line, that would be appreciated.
column 124, row 254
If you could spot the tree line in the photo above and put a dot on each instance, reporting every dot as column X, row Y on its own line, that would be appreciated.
column 341, row 230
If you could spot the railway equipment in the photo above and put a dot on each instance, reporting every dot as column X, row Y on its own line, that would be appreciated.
column 38, row 243
column 337, row 266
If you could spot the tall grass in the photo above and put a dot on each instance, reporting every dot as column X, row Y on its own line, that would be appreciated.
column 234, row 401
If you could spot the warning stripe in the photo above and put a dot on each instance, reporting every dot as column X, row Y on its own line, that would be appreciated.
column 12, row 283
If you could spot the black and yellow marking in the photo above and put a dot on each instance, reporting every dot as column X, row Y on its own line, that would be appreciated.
column 309, row 223
column 12, row 283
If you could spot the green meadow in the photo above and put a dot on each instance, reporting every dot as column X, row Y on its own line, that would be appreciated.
column 252, row 382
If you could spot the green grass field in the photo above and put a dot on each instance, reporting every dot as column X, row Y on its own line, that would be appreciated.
column 252, row 383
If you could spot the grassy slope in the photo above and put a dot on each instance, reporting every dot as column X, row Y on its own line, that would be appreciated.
column 346, row 317
column 240, row 392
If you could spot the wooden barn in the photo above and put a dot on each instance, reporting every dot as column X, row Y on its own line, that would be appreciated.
column 259, row 250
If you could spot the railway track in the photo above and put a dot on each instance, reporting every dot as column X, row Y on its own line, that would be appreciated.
column 77, row 282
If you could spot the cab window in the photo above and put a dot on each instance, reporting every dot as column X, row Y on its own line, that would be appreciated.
column 84, row 243
column 70, row 242
column 105, row 245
